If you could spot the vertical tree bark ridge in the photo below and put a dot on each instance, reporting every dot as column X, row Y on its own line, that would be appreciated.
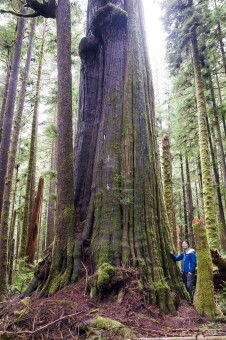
column 126, row 220
column 2, row 114
column 51, row 201
column 30, row 184
column 209, row 206
column 190, row 202
column 33, row 232
column 168, row 189
column 184, row 199
column 204, row 293
column 62, row 263
column 10, row 104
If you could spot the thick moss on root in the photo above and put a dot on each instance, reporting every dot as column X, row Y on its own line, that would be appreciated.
column 108, row 16
column 115, row 327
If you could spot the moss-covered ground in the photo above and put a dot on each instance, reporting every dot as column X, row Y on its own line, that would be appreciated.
column 72, row 314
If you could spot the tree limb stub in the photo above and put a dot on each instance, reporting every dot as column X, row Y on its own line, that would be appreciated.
column 47, row 9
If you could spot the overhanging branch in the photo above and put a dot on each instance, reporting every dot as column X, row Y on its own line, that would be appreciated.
column 46, row 9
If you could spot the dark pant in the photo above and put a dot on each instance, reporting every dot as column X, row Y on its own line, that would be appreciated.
column 189, row 281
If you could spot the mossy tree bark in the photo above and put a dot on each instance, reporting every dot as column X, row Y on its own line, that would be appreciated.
column 168, row 188
column 62, row 263
column 208, row 195
column 119, row 193
column 204, row 293
column 30, row 184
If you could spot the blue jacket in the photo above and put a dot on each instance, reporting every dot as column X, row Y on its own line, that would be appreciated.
column 188, row 260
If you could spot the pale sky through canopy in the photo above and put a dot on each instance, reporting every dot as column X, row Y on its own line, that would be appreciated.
column 155, row 32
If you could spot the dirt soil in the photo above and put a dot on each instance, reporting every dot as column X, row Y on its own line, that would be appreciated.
column 66, row 314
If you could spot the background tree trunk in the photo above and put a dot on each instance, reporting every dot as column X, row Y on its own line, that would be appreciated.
column 33, row 232
column 168, row 188
column 9, row 111
column 209, row 206
column 30, row 185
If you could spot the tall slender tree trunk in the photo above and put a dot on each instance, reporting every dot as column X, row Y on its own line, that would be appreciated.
column 62, row 263
column 220, row 39
column 221, row 103
column 168, row 188
column 208, row 195
column 217, row 179
column 3, row 108
column 9, row 111
column 33, row 232
column 184, row 199
column 190, row 203
column 217, row 124
column 30, row 185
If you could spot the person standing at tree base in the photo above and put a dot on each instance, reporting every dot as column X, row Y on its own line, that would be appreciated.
column 188, row 258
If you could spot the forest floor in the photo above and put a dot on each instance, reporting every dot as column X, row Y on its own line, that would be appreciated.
column 66, row 314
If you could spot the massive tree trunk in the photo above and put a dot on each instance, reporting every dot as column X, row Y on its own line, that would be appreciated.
column 119, row 191
column 30, row 185
column 208, row 196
